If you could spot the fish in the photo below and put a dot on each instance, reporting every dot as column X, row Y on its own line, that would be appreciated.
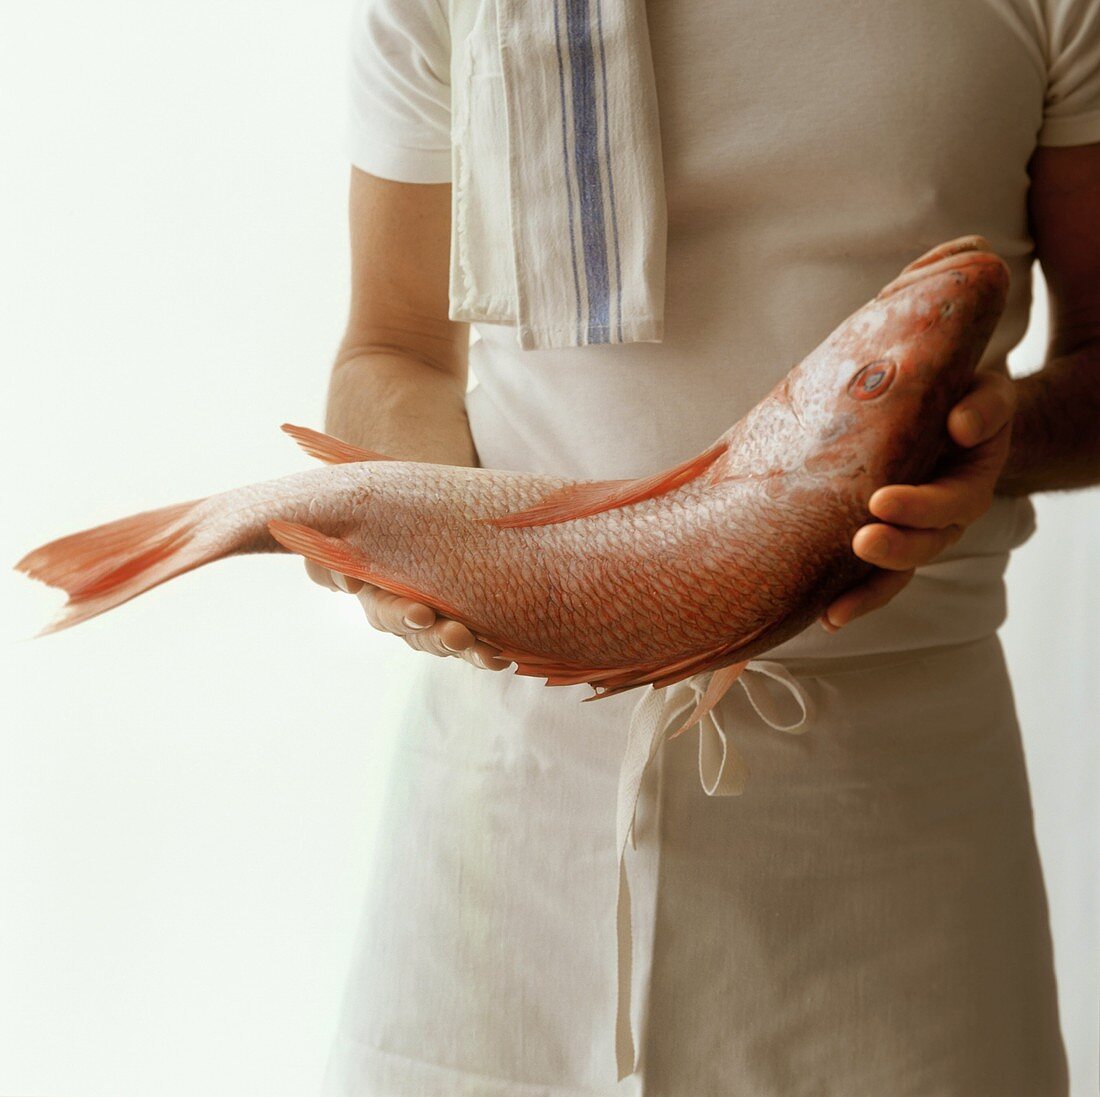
column 622, row 583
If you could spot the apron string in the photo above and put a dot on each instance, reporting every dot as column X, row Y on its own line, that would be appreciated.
column 722, row 772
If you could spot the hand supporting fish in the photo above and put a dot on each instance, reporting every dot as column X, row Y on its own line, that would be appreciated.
column 418, row 625
column 917, row 522
column 615, row 583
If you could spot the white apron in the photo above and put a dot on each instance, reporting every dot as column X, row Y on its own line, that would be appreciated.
column 867, row 918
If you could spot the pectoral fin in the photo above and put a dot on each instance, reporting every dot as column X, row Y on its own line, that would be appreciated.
column 342, row 556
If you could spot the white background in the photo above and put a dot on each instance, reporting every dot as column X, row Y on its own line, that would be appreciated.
column 189, row 786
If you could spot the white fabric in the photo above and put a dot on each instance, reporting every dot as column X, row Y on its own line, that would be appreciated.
column 545, row 118
column 541, row 115
column 869, row 916
column 583, row 154
column 400, row 91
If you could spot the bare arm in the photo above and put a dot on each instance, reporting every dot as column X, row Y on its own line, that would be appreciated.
column 398, row 385
column 399, row 381
column 1056, row 428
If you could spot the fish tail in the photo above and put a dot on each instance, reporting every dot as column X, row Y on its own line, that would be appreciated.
column 103, row 567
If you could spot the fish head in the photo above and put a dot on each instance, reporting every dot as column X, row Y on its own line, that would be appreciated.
column 875, row 395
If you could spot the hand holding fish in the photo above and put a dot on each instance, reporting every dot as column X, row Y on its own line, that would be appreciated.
column 917, row 522
column 417, row 624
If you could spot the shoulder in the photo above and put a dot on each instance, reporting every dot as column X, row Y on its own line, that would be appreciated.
column 400, row 90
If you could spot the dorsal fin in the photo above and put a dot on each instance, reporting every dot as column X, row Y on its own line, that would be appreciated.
column 593, row 497
column 331, row 450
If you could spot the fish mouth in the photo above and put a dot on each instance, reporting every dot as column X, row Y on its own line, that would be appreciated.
column 955, row 255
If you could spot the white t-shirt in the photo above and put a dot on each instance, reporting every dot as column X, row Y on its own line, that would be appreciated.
column 399, row 122
column 809, row 153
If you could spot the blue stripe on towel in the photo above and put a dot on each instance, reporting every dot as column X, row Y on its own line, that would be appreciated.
column 565, row 162
column 610, row 179
column 586, row 156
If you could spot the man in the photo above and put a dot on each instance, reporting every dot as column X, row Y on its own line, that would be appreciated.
column 870, row 917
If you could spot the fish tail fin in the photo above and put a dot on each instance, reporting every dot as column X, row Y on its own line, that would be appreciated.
column 103, row 567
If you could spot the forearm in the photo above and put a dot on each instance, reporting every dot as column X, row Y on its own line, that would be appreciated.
column 1055, row 440
column 400, row 405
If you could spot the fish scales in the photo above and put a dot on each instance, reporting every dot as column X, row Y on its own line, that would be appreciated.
column 663, row 547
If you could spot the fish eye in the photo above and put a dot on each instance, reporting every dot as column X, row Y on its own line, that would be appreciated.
column 872, row 380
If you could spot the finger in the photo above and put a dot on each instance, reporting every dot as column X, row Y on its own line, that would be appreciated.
column 959, row 497
column 901, row 549
column 418, row 625
column 321, row 576
column 479, row 653
column 486, row 656
column 873, row 593
column 423, row 642
column 347, row 583
column 984, row 410
column 444, row 638
column 454, row 636
column 932, row 506
column 392, row 613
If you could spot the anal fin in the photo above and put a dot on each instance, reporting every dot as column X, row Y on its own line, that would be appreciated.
column 721, row 682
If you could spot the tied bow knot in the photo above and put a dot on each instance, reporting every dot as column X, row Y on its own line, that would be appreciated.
column 722, row 772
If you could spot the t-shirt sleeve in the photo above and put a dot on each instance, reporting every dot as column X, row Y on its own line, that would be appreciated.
column 399, row 116
column 1071, row 113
